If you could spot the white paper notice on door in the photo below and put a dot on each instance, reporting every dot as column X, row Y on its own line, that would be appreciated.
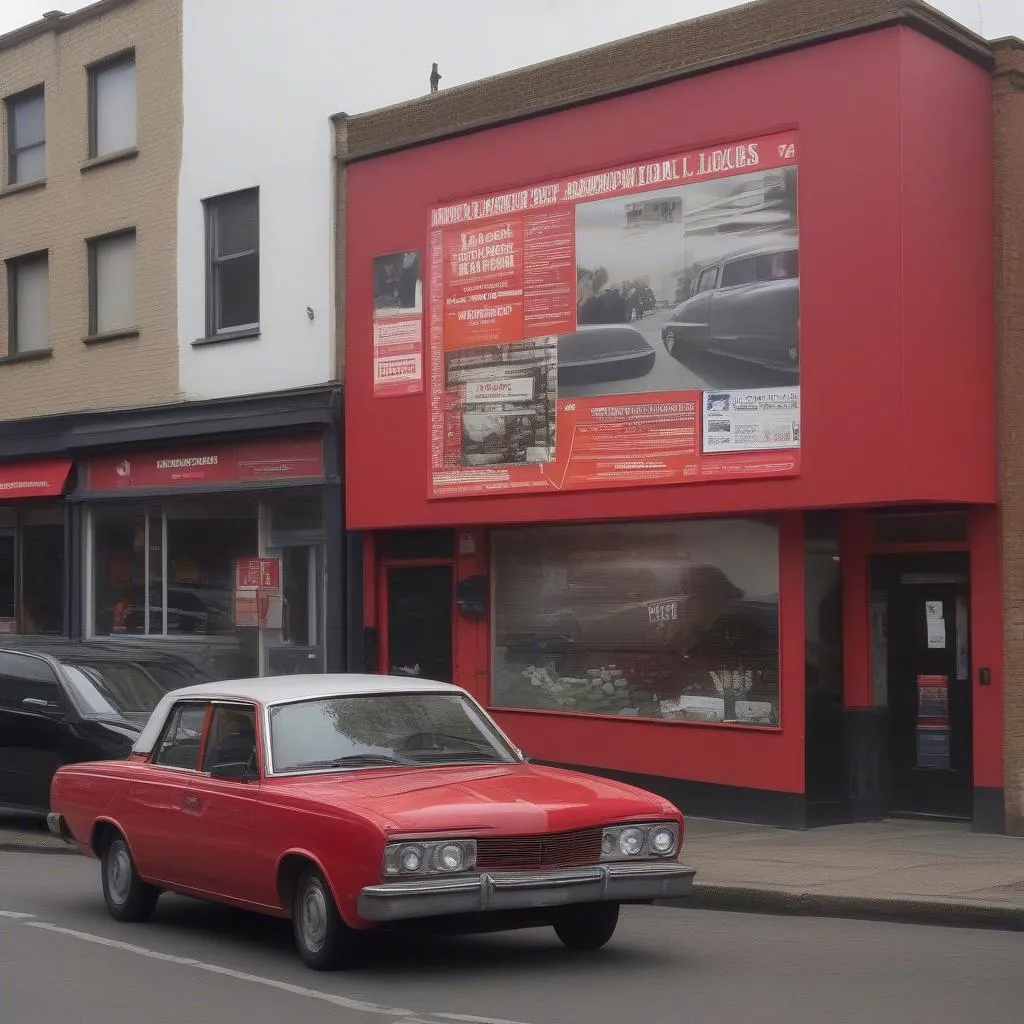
column 936, row 634
column 933, row 610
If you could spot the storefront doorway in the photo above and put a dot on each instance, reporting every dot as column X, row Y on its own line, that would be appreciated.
column 417, row 606
column 922, row 664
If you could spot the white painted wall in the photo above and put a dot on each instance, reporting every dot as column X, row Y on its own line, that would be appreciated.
column 261, row 79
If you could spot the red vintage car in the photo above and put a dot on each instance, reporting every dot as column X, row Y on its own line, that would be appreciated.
column 351, row 802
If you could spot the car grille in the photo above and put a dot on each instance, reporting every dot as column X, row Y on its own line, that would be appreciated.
column 560, row 849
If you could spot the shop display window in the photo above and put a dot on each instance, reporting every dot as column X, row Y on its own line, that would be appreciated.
column 32, row 571
column 675, row 621
column 168, row 572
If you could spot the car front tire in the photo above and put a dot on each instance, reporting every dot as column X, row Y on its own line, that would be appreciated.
column 588, row 927
column 324, row 941
column 127, row 896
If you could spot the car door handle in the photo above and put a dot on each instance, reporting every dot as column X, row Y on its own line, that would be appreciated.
column 191, row 802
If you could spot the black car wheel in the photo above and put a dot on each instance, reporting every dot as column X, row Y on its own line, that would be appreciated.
column 324, row 941
column 588, row 926
column 127, row 896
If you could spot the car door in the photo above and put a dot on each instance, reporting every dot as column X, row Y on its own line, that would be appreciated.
column 153, row 815
column 34, row 732
column 225, row 856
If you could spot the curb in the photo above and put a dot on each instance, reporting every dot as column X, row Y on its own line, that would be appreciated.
column 811, row 904
column 32, row 842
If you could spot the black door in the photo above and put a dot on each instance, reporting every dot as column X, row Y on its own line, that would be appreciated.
column 929, row 686
column 34, row 733
column 419, row 638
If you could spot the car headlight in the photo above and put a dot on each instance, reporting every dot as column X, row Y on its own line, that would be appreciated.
column 637, row 842
column 445, row 857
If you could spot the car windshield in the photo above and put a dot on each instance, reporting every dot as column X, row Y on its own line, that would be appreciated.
column 112, row 688
column 382, row 729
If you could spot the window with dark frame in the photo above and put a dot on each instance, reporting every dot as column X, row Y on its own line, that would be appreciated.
column 28, row 304
column 233, row 263
column 112, row 106
column 26, row 136
column 112, row 283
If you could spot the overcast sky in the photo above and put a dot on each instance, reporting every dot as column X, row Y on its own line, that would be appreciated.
column 468, row 44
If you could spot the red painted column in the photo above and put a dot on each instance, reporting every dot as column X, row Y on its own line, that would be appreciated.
column 854, row 539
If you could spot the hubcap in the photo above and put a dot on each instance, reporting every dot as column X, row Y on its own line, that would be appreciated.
column 314, row 917
column 119, row 873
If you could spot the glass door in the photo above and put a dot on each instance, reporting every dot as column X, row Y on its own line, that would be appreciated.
column 419, row 621
column 297, row 647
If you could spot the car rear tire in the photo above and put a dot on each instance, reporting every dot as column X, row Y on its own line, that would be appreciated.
column 324, row 941
column 127, row 896
column 587, row 927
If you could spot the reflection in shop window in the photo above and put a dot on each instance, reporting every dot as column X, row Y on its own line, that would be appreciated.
column 198, row 563
column 674, row 621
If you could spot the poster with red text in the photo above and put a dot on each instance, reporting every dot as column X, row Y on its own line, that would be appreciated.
column 635, row 325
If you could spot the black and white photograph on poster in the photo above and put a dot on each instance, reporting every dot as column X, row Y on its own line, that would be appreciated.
column 397, row 285
column 762, row 419
column 688, row 288
column 508, row 402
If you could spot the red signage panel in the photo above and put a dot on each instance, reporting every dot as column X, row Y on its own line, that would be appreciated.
column 38, row 479
column 189, row 465
column 264, row 573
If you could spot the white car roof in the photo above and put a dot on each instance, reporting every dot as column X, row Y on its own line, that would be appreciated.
column 277, row 689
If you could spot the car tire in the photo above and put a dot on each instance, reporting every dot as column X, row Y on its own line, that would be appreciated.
column 322, row 938
column 127, row 896
column 587, row 927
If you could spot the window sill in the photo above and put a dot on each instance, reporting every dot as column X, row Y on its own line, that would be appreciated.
column 27, row 357
column 22, row 186
column 99, row 339
column 246, row 334
column 110, row 158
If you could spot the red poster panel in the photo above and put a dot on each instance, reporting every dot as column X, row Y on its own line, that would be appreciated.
column 398, row 357
column 190, row 465
column 637, row 325
column 258, row 572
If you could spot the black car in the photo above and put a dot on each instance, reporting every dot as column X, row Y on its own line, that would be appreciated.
column 62, row 702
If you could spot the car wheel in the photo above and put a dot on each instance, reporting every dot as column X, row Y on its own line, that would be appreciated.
column 324, row 941
column 587, row 927
column 127, row 896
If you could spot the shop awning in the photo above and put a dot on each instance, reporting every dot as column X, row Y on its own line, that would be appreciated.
column 41, row 478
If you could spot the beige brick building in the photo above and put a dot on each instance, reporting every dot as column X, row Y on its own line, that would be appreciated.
column 92, row 136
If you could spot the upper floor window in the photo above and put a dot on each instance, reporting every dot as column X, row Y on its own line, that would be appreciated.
column 26, row 136
column 28, row 284
column 112, row 105
column 112, row 283
column 233, row 262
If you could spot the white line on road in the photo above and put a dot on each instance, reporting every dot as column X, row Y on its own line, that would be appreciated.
column 405, row 1016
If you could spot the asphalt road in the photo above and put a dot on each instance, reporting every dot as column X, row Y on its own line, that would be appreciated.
column 69, row 963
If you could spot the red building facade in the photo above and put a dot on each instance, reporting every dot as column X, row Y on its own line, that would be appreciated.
column 670, row 416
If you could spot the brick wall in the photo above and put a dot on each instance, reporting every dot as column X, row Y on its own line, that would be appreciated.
column 74, row 205
column 1008, row 143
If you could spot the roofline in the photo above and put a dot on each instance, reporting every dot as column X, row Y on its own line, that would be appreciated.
column 730, row 28
column 58, row 21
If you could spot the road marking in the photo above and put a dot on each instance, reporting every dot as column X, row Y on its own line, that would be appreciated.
column 404, row 1016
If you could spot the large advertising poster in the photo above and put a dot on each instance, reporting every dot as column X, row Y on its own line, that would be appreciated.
column 638, row 325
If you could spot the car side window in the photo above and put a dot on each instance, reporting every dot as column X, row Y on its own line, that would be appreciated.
column 28, row 684
column 707, row 279
column 738, row 272
column 179, row 745
column 232, row 737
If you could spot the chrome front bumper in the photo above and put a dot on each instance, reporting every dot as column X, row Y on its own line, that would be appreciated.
column 525, row 890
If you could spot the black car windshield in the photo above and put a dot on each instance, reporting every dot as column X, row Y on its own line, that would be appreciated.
column 382, row 729
column 112, row 687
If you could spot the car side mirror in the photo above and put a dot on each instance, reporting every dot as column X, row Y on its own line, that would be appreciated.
column 238, row 770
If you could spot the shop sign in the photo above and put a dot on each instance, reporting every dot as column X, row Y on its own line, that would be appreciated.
column 596, row 304
column 40, row 478
column 258, row 598
column 188, row 465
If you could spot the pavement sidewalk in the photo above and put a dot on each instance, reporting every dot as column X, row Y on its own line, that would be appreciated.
column 907, row 870
column 910, row 870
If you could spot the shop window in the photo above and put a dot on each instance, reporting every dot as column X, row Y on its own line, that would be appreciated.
column 168, row 573
column 673, row 621
column 43, row 574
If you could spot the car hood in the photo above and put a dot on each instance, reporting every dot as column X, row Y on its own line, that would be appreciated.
column 514, row 798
